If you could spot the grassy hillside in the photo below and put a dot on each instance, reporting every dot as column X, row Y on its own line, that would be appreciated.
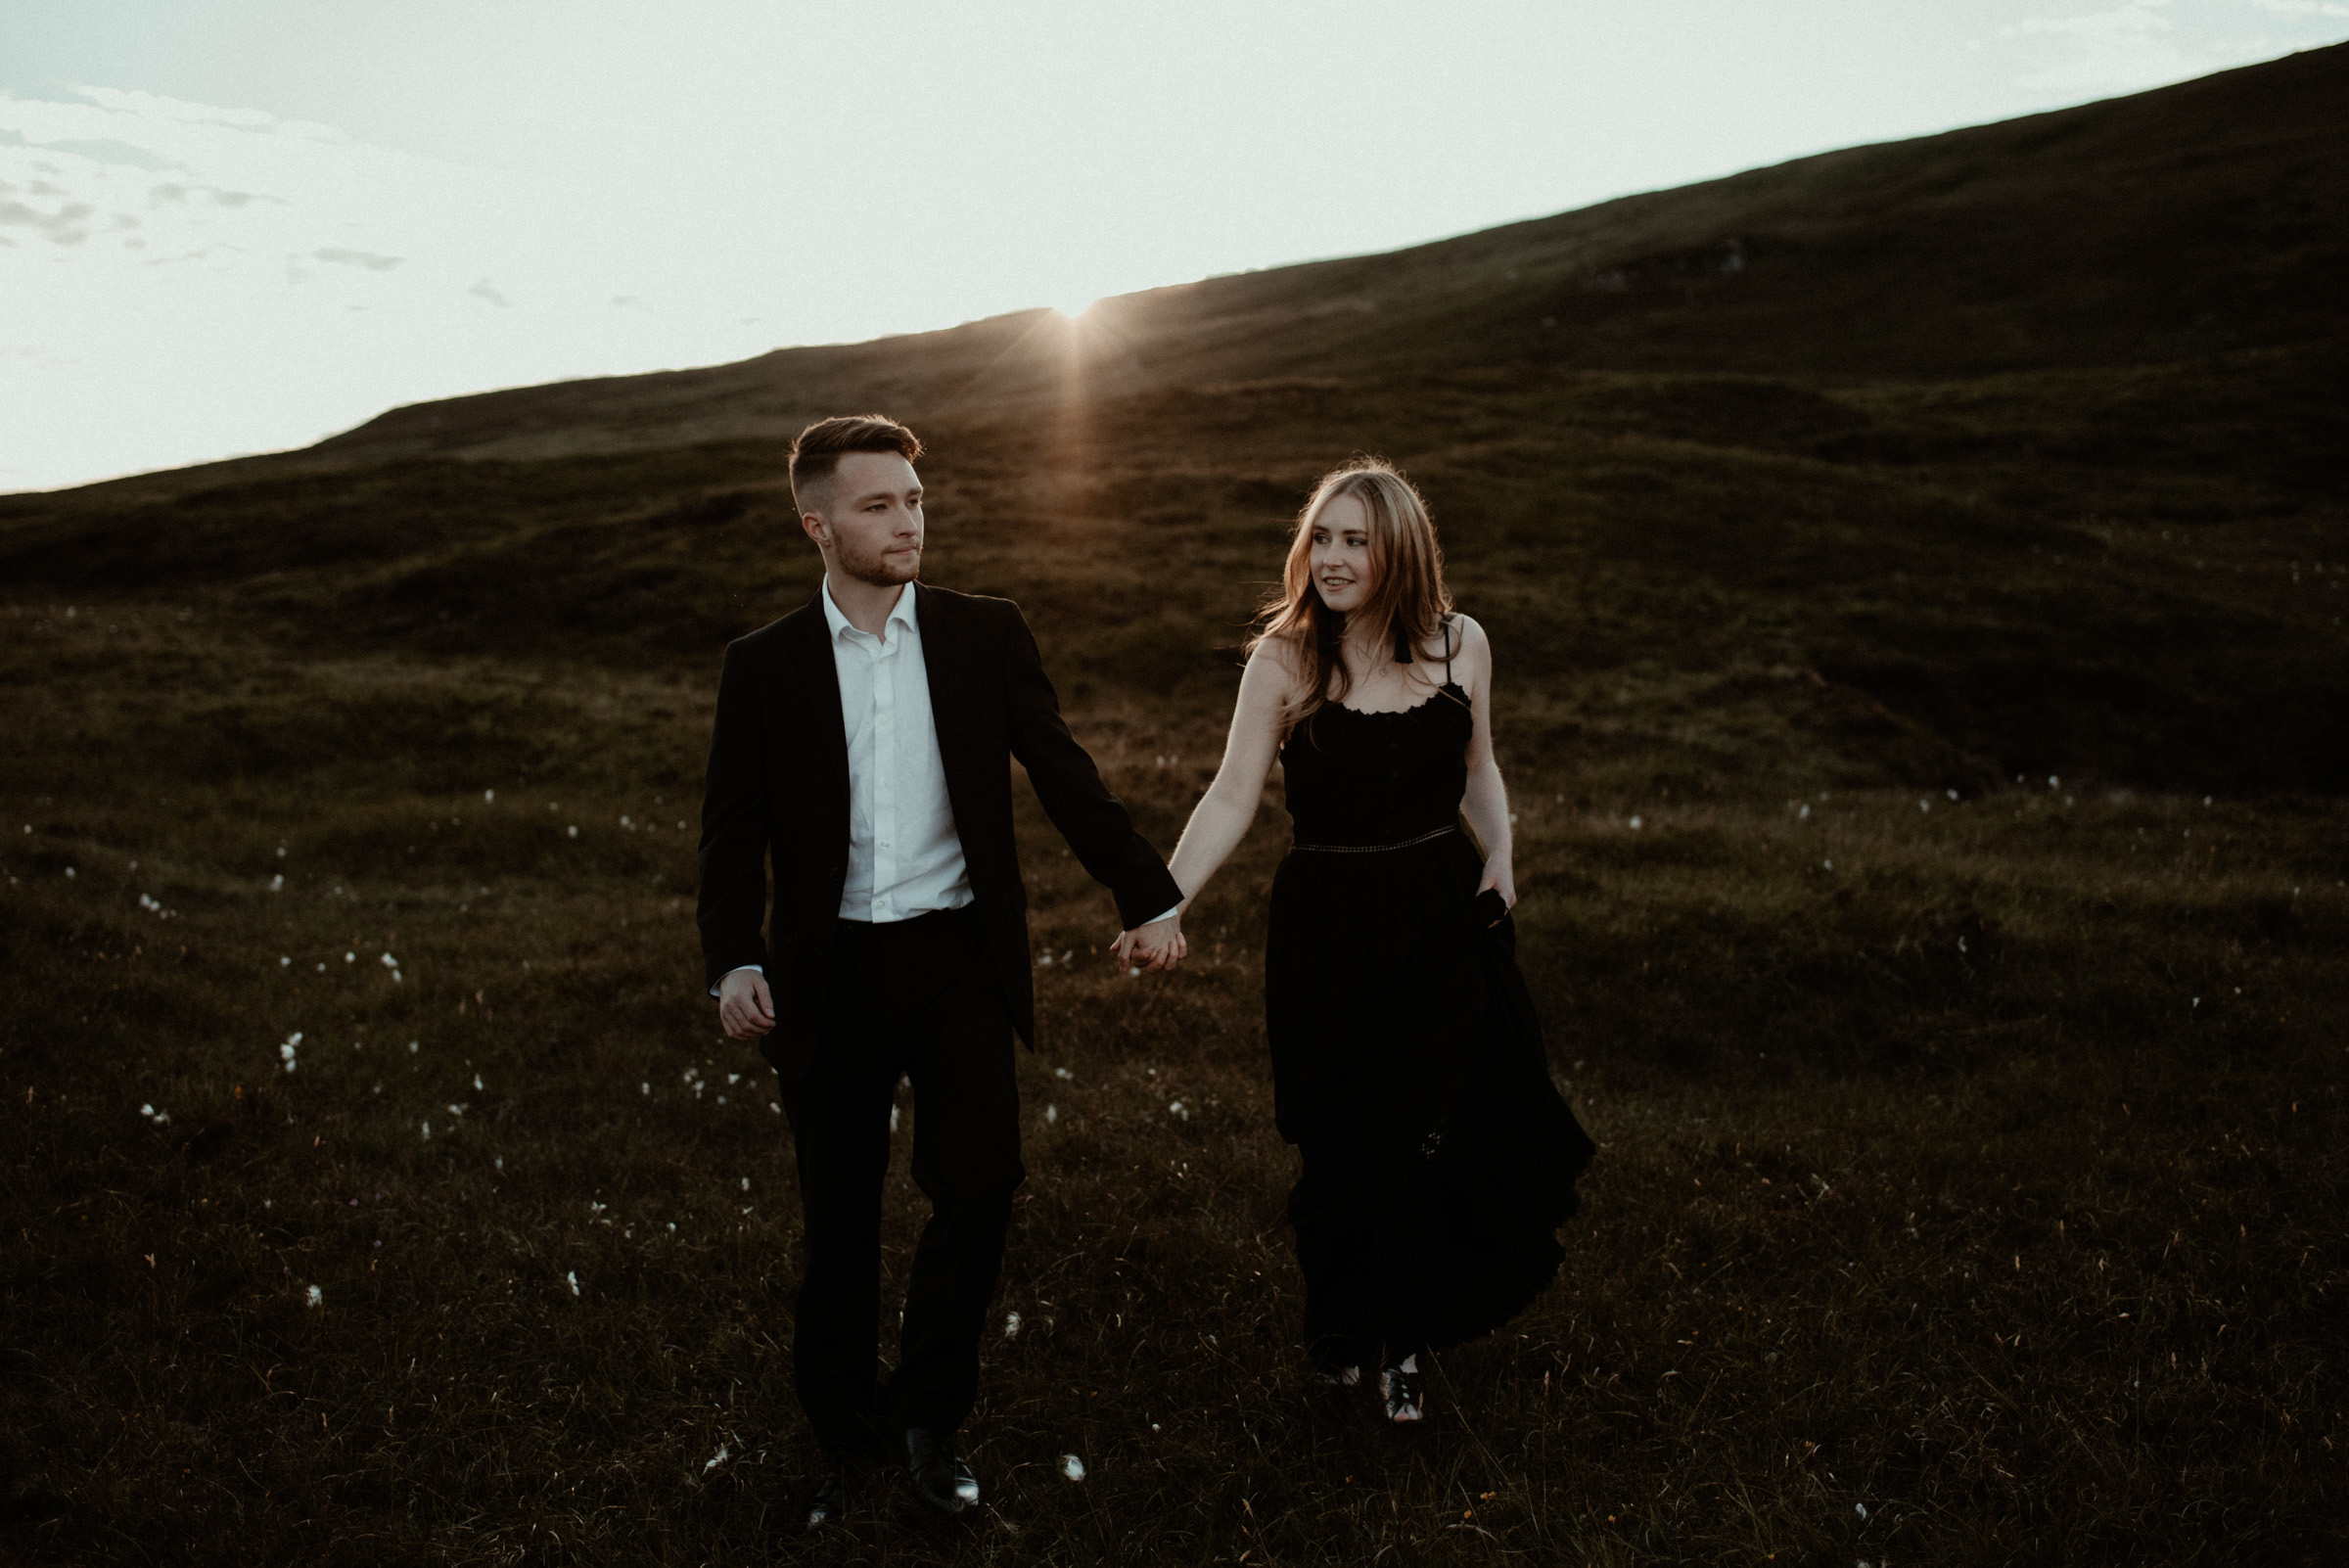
column 1924, row 688
column 2196, row 221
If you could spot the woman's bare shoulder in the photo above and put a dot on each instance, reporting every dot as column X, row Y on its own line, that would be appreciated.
column 1466, row 637
column 1273, row 655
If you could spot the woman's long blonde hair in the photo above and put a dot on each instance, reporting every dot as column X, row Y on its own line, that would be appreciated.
column 1407, row 602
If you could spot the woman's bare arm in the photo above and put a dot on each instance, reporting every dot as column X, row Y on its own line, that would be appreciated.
column 1486, row 801
column 1223, row 815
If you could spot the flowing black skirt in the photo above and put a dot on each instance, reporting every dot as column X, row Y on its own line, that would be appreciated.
column 1408, row 1069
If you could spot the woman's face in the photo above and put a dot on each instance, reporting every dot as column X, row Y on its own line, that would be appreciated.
column 1341, row 553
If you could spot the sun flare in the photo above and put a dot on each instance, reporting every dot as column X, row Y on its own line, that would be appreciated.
column 1075, row 312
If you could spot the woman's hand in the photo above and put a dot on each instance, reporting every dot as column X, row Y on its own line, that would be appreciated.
column 1156, row 946
column 1500, row 877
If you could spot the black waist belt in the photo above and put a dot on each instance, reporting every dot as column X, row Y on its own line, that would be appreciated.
column 1373, row 848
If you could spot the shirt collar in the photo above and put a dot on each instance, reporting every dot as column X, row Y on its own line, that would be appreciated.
column 900, row 614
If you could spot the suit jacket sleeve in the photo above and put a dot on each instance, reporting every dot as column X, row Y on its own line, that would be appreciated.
column 1092, row 819
column 734, row 827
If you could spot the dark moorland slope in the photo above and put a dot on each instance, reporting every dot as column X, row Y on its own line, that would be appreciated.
column 1917, row 575
column 2017, row 449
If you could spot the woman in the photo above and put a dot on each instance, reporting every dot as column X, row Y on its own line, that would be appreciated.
column 1407, row 1066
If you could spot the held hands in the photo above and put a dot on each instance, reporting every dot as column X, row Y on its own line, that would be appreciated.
column 1157, row 946
column 745, row 1006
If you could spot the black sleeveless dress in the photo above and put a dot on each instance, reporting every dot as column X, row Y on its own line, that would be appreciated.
column 1408, row 1064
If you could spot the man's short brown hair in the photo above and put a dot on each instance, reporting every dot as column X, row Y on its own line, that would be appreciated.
column 817, row 453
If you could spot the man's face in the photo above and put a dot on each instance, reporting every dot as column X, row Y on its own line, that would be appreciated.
column 870, row 525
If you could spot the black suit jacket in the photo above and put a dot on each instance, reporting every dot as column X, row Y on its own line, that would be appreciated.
column 778, row 786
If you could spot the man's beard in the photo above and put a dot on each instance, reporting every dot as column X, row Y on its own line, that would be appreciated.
column 880, row 568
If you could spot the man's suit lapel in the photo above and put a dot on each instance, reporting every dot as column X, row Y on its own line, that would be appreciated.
column 950, row 708
column 819, row 687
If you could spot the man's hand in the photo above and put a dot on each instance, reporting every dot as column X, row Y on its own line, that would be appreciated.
column 1157, row 946
column 744, row 1005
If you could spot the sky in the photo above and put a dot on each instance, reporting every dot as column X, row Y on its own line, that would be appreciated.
column 233, row 226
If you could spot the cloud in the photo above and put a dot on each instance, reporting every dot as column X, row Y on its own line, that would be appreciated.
column 484, row 289
column 2135, row 18
column 69, row 224
column 2127, row 46
column 359, row 258
column 2301, row 8
column 108, row 152
column 209, row 193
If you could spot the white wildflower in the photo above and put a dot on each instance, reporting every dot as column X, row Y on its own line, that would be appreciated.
column 715, row 1459
column 476, row 1083
column 1174, row 1108
column 488, row 796
column 1011, row 1325
column 1062, row 1072
column 317, row 1297
column 1051, row 1113
column 1634, row 824
column 1072, row 1466
column 574, row 831
column 572, row 1277
column 277, row 883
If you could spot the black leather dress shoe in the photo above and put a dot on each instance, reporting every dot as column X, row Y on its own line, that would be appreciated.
column 828, row 1500
column 942, row 1477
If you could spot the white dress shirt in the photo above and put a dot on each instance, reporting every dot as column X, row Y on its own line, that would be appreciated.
column 905, row 856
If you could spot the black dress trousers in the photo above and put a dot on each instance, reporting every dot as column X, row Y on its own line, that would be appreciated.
column 917, row 998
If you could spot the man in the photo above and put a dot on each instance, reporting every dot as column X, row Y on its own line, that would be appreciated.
column 864, row 744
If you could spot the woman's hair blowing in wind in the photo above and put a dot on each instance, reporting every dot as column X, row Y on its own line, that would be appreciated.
column 1406, row 602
